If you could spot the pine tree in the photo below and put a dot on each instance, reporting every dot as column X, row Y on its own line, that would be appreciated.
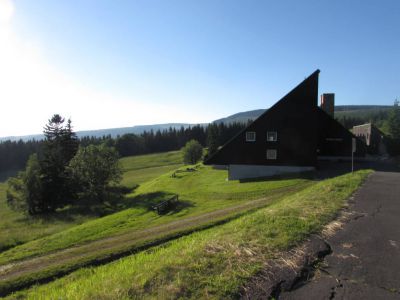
column 60, row 146
column 212, row 139
column 394, row 122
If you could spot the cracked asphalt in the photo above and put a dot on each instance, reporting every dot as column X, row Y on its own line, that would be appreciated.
column 365, row 258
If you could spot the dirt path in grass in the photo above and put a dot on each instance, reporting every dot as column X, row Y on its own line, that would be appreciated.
column 107, row 249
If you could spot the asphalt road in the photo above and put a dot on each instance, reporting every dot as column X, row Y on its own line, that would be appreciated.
column 365, row 258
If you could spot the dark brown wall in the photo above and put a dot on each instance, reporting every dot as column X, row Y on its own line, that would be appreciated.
column 334, row 139
column 294, row 119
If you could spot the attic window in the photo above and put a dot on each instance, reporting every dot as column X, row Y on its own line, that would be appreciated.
column 271, row 153
column 272, row 136
column 250, row 136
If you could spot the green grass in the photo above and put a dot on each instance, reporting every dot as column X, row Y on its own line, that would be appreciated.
column 202, row 191
column 16, row 228
column 151, row 160
column 213, row 263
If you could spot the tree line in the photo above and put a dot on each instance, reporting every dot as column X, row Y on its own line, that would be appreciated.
column 14, row 154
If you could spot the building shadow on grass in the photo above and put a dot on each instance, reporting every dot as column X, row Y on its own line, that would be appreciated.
column 301, row 175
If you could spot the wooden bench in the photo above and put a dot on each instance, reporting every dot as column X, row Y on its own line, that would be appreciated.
column 166, row 205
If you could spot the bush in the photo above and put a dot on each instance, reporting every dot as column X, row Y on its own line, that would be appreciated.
column 25, row 191
column 192, row 152
column 92, row 169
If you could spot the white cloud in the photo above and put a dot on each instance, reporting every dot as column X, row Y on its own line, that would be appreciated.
column 31, row 91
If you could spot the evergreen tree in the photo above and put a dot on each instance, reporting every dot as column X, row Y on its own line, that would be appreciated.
column 60, row 147
column 212, row 139
column 393, row 122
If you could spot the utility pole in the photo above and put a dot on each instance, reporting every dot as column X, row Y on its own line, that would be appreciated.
column 353, row 149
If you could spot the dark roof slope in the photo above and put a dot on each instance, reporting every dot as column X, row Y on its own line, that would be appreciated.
column 293, row 118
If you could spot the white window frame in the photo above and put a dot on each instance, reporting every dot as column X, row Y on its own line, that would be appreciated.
column 248, row 139
column 272, row 154
column 272, row 133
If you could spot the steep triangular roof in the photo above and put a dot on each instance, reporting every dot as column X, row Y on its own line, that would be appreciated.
column 298, row 106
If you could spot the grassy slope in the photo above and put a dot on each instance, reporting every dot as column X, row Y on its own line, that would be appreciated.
column 201, row 191
column 142, row 168
column 16, row 228
column 213, row 263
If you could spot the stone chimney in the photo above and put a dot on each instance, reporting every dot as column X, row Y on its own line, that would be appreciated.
column 328, row 103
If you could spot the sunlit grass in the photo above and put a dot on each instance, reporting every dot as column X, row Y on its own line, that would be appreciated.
column 17, row 228
column 201, row 191
column 213, row 263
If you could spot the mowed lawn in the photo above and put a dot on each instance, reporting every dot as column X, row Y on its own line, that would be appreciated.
column 213, row 263
column 17, row 228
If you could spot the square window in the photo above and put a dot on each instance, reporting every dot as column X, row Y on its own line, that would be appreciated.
column 272, row 136
column 250, row 136
column 271, row 153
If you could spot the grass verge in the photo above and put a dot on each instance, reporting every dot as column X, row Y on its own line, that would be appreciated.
column 213, row 263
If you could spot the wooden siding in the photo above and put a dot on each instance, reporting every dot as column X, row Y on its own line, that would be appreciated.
column 294, row 120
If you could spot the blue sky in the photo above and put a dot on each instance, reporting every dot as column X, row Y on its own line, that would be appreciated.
column 124, row 63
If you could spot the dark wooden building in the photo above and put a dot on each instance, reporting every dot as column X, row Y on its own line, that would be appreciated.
column 372, row 137
column 288, row 137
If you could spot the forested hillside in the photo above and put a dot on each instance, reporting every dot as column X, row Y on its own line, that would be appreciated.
column 14, row 154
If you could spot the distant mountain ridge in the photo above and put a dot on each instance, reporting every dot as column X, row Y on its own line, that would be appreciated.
column 241, row 117
column 244, row 117
column 114, row 132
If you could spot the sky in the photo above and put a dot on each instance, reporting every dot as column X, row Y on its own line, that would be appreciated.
column 108, row 64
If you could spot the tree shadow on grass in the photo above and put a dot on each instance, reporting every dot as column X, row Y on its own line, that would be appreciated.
column 114, row 201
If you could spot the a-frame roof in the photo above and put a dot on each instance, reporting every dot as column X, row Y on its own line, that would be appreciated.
column 293, row 117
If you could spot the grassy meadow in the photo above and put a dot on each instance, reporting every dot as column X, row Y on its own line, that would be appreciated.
column 201, row 191
column 209, row 208
column 213, row 263
column 17, row 228
column 206, row 198
column 142, row 168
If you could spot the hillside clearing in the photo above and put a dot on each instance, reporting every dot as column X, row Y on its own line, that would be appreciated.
column 17, row 228
column 213, row 263
column 205, row 199
column 199, row 192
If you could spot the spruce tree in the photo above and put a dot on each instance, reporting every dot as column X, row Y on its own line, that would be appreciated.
column 60, row 146
column 212, row 139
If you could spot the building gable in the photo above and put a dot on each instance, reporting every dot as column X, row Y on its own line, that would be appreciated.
column 286, row 134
